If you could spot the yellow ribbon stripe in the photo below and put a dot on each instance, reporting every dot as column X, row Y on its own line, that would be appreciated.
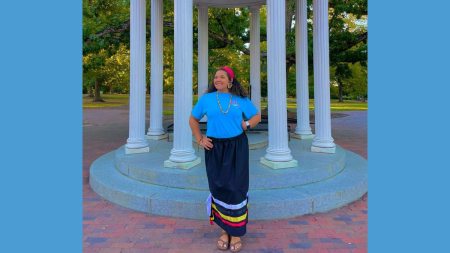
column 229, row 218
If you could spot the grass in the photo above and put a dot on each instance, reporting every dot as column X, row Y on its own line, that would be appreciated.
column 111, row 100
column 115, row 100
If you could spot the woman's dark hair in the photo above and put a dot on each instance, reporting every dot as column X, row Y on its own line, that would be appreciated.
column 236, row 89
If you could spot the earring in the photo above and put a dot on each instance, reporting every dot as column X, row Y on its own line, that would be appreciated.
column 230, row 85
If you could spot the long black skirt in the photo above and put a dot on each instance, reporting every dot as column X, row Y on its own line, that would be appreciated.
column 227, row 168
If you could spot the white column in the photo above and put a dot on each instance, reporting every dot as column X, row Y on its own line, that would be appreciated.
column 303, row 129
column 278, row 154
column 156, row 130
column 202, row 49
column 322, row 142
column 182, row 153
column 255, row 53
column 136, row 142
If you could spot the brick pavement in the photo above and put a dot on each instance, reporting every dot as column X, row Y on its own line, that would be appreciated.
column 109, row 228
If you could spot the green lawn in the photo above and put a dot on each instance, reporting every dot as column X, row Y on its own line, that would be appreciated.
column 113, row 100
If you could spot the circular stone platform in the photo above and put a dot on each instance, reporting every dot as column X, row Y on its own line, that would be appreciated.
column 319, row 183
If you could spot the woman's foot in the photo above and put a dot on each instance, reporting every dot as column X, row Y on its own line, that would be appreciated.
column 223, row 241
column 235, row 244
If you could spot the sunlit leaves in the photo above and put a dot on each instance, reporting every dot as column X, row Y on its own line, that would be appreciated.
column 106, row 43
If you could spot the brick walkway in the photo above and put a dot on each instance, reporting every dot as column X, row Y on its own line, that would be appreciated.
column 109, row 228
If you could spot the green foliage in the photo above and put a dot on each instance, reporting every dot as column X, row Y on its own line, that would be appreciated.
column 106, row 45
column 104, row 23
column 117, row 69
column 355, row 85
column 100, row 46
column 348, row 43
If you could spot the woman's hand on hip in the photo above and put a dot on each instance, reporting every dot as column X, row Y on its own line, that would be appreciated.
column 206, row 143
column 243, row 125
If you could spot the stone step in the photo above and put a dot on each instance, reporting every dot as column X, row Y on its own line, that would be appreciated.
column 312, row 168
column 264, row 204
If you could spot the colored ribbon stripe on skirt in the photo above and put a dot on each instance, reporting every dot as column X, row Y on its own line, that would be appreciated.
column 232, row 221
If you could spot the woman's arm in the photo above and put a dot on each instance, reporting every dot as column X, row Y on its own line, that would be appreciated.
column 201, row 140
column 253, row 121
column 195, row 127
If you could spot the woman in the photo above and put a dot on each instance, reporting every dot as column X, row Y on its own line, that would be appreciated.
column 226, row 154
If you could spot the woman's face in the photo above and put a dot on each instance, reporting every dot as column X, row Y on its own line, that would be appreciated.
column 221, row 81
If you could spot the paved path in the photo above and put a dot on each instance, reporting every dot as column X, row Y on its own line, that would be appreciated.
column 109, row 228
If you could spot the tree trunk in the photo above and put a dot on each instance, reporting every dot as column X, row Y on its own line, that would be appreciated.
column 288, row 66
column 97, row 97
column 290, row 11
column 340, row 90
column 91, row 92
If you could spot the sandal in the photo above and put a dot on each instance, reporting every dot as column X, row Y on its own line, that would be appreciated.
column 221, row 243
column 236, row 247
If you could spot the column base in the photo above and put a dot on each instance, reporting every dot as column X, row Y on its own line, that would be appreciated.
column 129, row 151
column 278, row 165
column 182, row 165
column 302, row 136
column 157, row 137
column 331, row 150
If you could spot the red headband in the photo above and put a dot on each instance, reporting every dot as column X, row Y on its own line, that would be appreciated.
column 229, row 71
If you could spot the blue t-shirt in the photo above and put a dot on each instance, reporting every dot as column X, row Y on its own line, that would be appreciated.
column 222, row 125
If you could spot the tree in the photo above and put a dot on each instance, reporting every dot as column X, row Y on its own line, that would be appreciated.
column 102, row 37
column 357, row 88
column 342, row 72
column 348, row 39
column 106, row 27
